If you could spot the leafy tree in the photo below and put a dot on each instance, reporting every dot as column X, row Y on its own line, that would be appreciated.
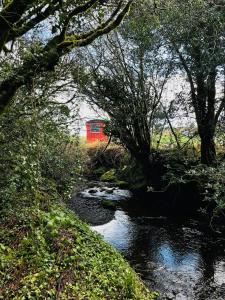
column 64, row 25
column 39, row 156
column 195, row 32
column 125, row 75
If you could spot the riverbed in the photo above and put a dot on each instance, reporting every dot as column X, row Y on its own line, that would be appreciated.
column 177, row 257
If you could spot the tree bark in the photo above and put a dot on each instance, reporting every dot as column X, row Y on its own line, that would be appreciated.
column 141, row 153
column 144, row 162
column 208, row 149
column 57, row 46
column 206, row 115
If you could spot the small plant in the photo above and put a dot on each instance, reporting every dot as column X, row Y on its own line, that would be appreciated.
column 51, row 254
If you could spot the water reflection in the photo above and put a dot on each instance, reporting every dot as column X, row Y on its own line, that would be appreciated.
column 119, row 232
column 176, row 261
column 180, row 261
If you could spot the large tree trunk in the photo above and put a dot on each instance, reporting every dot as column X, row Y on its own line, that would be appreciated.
column 141, row 155
column 138, row 142
column 208, row 151
column 144, row 162
column 205, row 115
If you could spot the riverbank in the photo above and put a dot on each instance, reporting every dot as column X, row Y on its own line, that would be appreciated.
column 178, row 184
column 46, row 252
column 182, row 258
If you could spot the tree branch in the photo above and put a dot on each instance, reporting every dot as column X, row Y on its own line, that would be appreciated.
column 49, row 56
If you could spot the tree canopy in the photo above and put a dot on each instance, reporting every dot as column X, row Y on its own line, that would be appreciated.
column 67, row 24
column 195, row 31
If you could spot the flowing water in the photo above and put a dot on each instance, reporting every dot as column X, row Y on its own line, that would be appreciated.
column 179, row 259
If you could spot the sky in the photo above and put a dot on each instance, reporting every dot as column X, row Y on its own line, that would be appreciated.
column 175, row 85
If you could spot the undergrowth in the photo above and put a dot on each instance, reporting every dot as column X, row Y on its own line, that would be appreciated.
column 46, row 252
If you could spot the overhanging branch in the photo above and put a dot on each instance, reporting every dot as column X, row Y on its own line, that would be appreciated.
column 49, row 56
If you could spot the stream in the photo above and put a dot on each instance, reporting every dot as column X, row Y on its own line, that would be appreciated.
column 178, row 258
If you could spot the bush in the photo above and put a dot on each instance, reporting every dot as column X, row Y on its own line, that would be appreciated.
column 37, row 156
column 210, row 182
column 101, row 158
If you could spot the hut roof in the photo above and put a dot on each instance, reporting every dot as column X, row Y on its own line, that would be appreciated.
column 95, row 121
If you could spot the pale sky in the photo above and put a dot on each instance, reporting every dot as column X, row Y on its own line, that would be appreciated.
column 174, row 86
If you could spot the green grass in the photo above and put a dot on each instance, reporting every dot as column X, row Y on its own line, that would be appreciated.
column 48, row 253
column 168, row 140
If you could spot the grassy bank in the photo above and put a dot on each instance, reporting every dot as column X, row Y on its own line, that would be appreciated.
column 46, row 252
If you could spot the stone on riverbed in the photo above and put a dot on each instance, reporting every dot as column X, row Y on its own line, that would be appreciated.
column 92, row 191
column 97, row 203
column 109, row 193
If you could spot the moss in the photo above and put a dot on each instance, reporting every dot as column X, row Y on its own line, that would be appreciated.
column 132, row 177
column 49, row 253
column 109, row 176
column 122, row 184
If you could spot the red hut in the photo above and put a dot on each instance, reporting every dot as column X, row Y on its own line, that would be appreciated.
column 95, row 131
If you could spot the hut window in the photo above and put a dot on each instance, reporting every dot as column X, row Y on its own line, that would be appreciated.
column 95, row 127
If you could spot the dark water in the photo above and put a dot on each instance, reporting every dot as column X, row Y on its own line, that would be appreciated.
column 177, row 258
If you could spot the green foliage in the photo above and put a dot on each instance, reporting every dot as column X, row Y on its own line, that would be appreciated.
column 205, row 26
column 109, row 175
column 45, row 251
column 193, row 30
column 98, row 156
column 212, row 182
column 35, row 158
column 68, row 24
column 50, row 253
column 38, row 154
column 61, row 161
column 125, row 75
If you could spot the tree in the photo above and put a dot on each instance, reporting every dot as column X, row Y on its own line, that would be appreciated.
column 68, row 24
column 195, row 32
column 37, row 147
column 125, row 75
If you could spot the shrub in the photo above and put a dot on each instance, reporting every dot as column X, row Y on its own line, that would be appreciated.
column 100, row 156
